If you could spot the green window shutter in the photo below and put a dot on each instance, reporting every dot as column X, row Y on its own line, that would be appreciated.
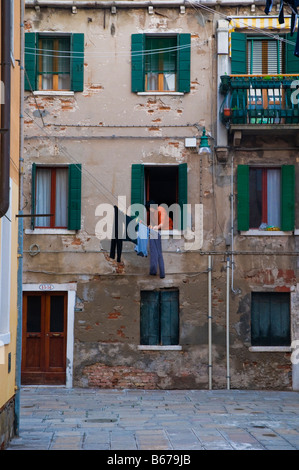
column 137, row 62
column 184, row 63
column 243, row 197
column 149, row 318
column 30, row 61
column 291, row 61
column 77, row 62
column 33, row 186
column 287, row 197
column 74, row 197
column 137, row 188
column 238, row 53
column 169, row 317
column 270, row 319
column 183, row 193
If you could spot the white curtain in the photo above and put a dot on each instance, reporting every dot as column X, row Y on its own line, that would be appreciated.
column 47, row 65
column 43, row 196
column 61, row 202
column 273, row 197
column 169, row 81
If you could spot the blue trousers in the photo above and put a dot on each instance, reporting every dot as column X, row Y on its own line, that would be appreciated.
column 156, row 257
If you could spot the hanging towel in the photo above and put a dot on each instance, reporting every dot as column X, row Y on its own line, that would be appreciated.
column 142, row 240
column 121, row 232
column 156, row 257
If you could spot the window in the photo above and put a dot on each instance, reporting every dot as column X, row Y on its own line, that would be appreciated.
column 270, row 319
column 159, row 317
column 165, row 184
column 265, row 56
column 257, row 55
column 54, row 62
column 161, row 63
column 266, row 197
column 56, row 193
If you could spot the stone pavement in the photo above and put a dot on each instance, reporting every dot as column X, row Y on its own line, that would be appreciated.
column 57, row 418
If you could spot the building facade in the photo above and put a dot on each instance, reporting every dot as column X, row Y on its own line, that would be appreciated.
column 10, row 144
column 124, row 103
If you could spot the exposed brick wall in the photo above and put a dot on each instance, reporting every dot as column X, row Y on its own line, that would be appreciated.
column 102, row 376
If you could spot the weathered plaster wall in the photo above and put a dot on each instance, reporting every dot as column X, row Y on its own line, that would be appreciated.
column 107, row 129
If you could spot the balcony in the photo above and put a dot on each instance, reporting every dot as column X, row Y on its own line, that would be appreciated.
column 260, row 103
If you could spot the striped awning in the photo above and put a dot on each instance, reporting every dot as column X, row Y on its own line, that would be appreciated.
column 256, row 23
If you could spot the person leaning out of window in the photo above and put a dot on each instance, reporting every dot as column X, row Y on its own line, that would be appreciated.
column 159, row 218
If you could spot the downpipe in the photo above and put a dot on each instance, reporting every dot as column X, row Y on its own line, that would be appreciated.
column 5, row 108
column 227, row 325
column 20, row 235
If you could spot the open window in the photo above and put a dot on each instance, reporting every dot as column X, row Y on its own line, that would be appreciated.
column 165, row 184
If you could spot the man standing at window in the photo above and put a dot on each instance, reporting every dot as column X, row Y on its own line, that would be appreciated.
column 159, row 218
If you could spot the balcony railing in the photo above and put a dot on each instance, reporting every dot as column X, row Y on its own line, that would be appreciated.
column 259, row 99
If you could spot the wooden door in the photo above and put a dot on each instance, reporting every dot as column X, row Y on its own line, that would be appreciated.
column 44, row 338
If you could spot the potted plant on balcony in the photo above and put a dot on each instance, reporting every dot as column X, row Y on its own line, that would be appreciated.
column 270, row 82
column 225, row 83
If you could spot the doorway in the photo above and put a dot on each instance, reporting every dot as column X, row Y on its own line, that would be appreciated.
column 44, row 338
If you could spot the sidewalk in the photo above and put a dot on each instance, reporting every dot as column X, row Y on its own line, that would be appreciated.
column 54, row 418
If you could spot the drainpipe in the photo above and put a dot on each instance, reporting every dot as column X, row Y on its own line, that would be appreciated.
column 227, row 325
column 20, row 232
column 5, row 108
column 210, row 320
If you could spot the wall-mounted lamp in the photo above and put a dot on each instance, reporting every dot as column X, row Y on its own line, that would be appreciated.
column 204, row 147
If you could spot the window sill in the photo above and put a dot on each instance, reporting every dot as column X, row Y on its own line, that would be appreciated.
column 143, row 347
column 270, row 349
column 265, row 233
column 4, row 338
column 50, row 231
column 53, row 93
column 159, row 93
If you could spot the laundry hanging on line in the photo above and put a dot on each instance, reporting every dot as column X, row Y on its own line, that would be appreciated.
column 142, row 240
column 292, row 4
column 124, row 230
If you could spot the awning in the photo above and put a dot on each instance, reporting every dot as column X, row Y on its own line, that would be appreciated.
column 256, row 23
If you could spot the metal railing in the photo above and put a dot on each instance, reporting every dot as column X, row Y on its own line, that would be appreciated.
column 259, row 99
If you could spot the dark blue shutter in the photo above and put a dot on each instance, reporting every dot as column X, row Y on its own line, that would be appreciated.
column 169, row 317
column 149, row 318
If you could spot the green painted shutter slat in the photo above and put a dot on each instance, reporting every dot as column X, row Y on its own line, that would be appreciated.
column 291, row 61
column 149, row 318
column 33, row 190
column 169, row 317
column 137, row 189
column 287, row 197
column 77, row 63
column 74, row 197
column 183, row 193
column 137, row 62
column 184, row 62
column 30, row 61
column 238, row 53
column 243, row 197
